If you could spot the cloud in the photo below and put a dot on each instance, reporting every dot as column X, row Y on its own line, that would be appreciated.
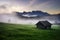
column 29, row 5
column 32, row 2
column 11, row 8
column 2, row 7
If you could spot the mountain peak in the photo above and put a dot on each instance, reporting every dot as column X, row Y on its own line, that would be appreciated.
column 32, row 14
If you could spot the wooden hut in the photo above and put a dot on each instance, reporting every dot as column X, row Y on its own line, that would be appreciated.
column 43, row 25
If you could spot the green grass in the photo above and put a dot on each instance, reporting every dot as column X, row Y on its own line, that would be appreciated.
column 55, row 27
column 27, row 32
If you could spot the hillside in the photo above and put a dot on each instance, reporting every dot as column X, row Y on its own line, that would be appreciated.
column 26, row 32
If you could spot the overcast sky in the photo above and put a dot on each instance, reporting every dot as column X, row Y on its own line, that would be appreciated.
column 50, row 6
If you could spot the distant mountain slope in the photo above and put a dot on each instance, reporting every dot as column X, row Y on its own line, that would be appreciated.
column 32, row 14
column 39, row 15
column 27, row 18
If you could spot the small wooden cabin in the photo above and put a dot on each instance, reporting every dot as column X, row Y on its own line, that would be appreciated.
column 43, row 25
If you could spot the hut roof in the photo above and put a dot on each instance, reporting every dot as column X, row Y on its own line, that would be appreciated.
column 45, row 23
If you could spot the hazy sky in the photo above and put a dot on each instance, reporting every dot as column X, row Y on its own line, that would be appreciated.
column 50, row 6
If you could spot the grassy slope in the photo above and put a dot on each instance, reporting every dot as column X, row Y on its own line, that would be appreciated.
column 26, row 32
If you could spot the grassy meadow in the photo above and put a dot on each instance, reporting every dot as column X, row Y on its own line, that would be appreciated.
column 28, row 32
